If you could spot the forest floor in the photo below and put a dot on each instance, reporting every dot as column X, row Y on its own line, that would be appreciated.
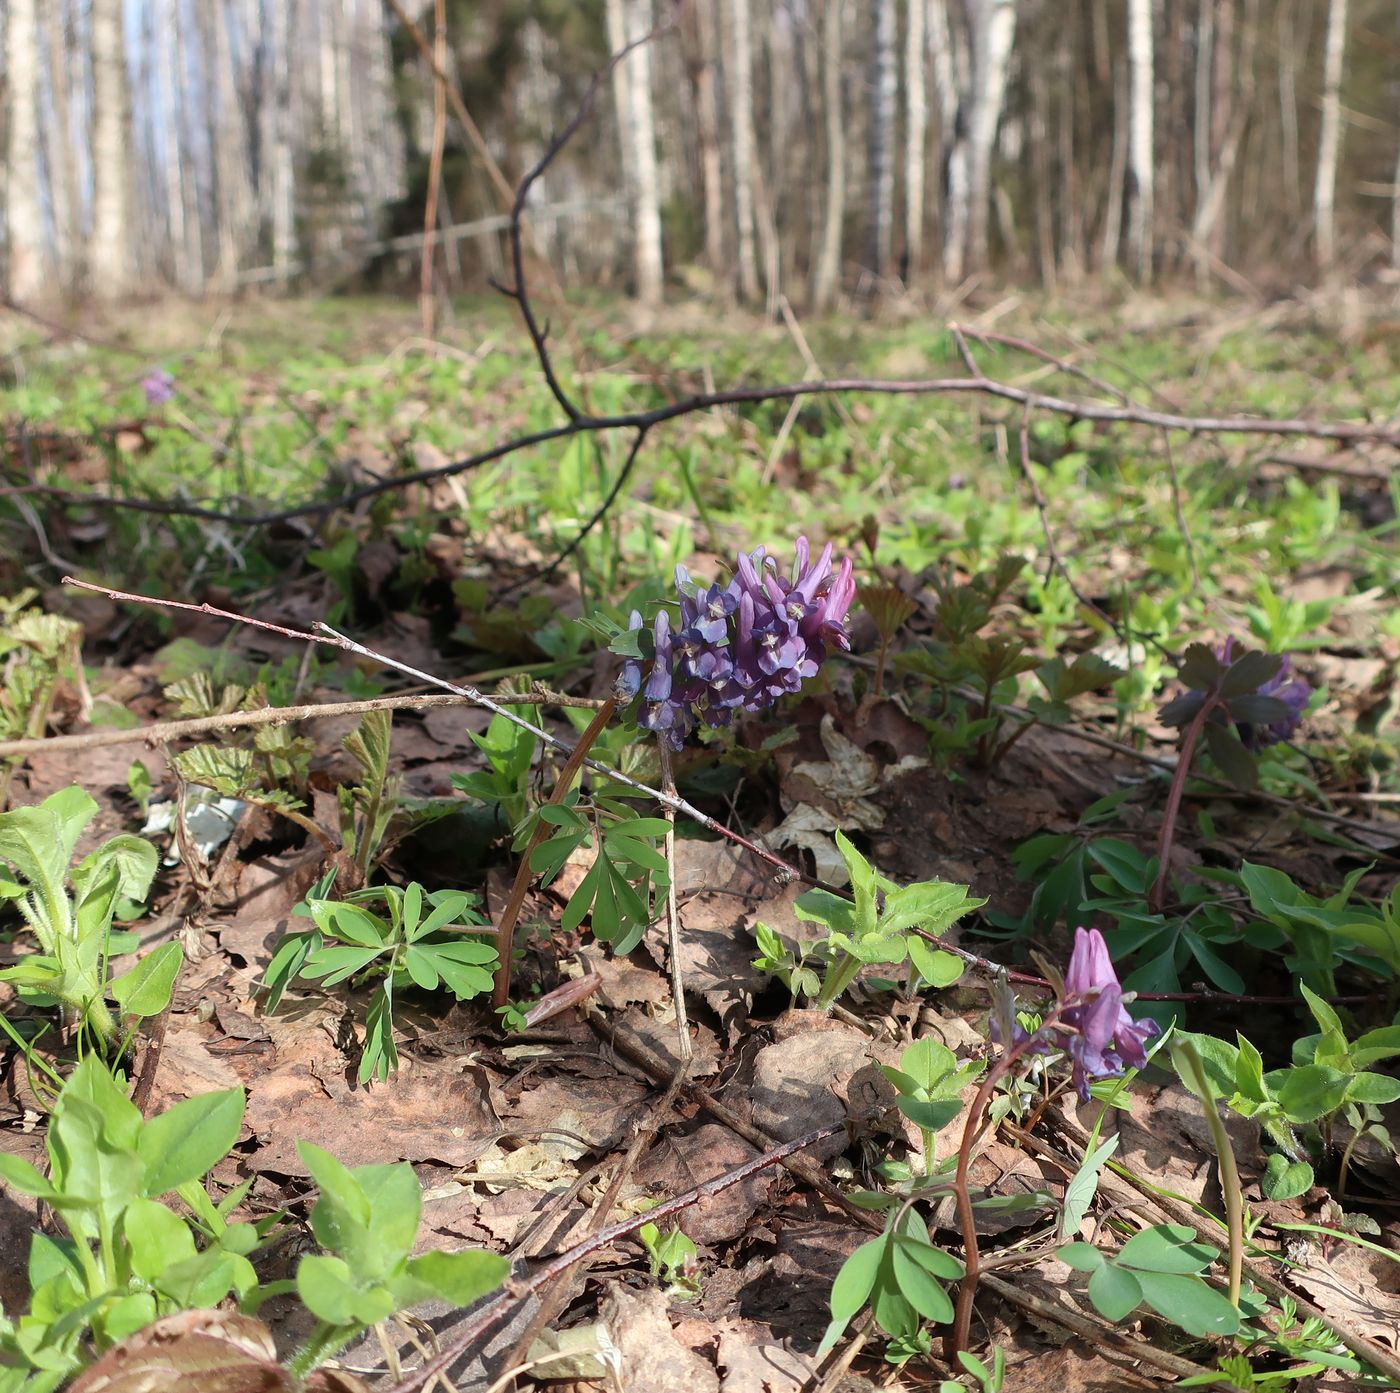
column 526, row 1141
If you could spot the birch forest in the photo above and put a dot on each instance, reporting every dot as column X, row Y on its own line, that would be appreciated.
column 809, row 149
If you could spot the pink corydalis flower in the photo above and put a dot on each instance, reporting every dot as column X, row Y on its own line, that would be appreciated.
column 159, row 387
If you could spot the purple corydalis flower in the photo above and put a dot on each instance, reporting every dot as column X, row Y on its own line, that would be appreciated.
column 1102, row 1038
column 1090, row 1024
column 740, row 646
column 159, row 387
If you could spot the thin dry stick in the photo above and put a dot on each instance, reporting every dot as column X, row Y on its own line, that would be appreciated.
column 496, row 1311
column 673, row 920
column 505, row 929
column 164, row 732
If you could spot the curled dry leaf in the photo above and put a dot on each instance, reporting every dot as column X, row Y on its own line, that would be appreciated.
column 204, row 1352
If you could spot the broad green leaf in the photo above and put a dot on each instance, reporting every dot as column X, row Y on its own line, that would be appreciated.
column 134, row 860
column 936, row 966
column 1367, row 1087
column 1189, row 1302
column 932, row 1258
column 157, row 1236
column 1114, row 1291
column 1376, row 1045
column 186, row 1141
column 459, row 1278
column 350, row 922
column 933, row 1114
column 145, row 989
column 16, row 1172
column 1166, row 1248
column 341, row 1215
column 1220, row 1059
column 851, row 1289
column 1083, row 1257
column 328, row 1290
column 1310, row 1092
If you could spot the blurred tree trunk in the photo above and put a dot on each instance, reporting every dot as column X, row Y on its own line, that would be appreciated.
column 62, row 156
column 1329, row 140
column 110, row 253
column 23, row 210
column 629, row 20
column 993, row 29
column 703, row 46
column 1117, row 164
column 233, row 191
column 827, row 273
column 279, row 192
column 1141, row 172
column 915, row 136
column 741, row 126
column 884, row 93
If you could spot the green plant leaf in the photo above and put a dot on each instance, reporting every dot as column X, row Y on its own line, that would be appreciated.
column 1083, row 1257
column 1189, row 1302
column 1166, row 1248
column 917, row 1285
column 1114, row 1291
column 1284, row 1179
column 1080, row 1192
column 186, row 1141
column 157, row 1236
column 145, row 989
column 459, row 1278
column 851, row 1289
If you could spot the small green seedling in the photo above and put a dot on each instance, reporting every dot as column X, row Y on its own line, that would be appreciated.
column 986, row 1380
column 74, row 925
column 884, row 924
column 672, row 1258
column 425, row 942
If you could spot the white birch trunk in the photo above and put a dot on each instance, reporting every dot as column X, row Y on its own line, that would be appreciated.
column 827, row 272
column 23, row 211
column 707, row 43
column 233, row 190
column 742, row 135
column 62, row 155
column 915, row 136
column 278, row 26
column 1329, row 139
column 110, row 261
column 993, row 24
column 1140, row 143
column 643, row 142
column 884, row 93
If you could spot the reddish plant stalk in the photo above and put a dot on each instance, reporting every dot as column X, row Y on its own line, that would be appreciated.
column 1174, row 794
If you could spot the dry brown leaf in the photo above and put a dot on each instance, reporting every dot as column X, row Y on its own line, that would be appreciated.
column 651, row 1356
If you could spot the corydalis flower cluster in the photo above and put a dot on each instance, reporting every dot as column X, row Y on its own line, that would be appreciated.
column 1090, row 1023
column 740, row 646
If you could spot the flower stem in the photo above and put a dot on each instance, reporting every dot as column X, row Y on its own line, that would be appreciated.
column 505, row 926
column 1174, row 794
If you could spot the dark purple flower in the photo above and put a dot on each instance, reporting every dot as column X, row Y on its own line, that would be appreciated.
column 1284, row 687
column 159, row 387
column 740, row 646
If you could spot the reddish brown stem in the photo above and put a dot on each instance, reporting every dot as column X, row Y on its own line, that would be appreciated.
column 1174, row 794
column 505, row 927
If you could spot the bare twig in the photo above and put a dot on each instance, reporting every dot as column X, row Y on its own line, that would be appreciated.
column 165, row 732
column 496, row 1311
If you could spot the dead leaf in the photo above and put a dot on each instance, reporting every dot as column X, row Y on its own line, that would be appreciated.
column 687, row 1161
column 751, row 1361
column 650, row 1356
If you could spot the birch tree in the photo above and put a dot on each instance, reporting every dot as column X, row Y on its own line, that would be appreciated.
column 884, row 93
column 110, row 253
column 1140, row 155
column 23, row 211
column 827, row 269
column 1329, row 140
column 742, row 138
column 61, row 154
column 629, row 20
column 915, row 135
column 993, row 29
